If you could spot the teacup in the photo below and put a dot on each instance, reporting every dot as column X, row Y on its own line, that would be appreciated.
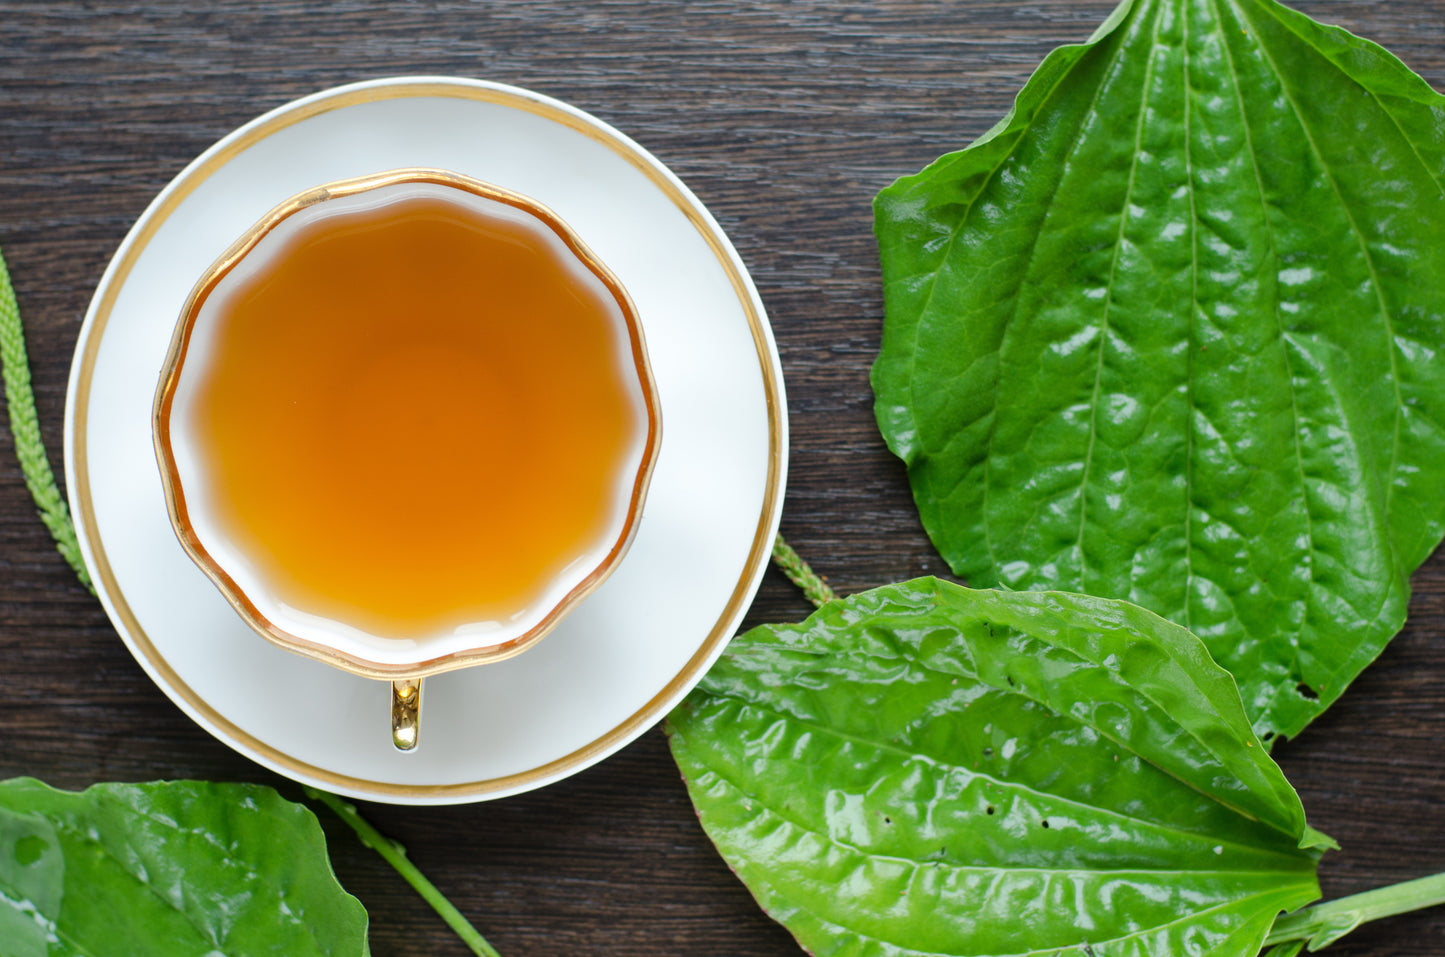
column 406, row 424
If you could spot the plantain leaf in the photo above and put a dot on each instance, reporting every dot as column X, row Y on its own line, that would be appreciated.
column 185, row 869
column 1171, row 333
column 925, row 769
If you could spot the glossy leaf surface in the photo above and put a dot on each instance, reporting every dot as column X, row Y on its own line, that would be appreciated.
column 1171, row 333
column 926, row 769
column 180, row 869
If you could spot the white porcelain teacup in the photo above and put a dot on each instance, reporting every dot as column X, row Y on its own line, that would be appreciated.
column 405, row 425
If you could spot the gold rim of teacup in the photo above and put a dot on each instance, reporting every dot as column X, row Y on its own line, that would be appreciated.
column 175, row 360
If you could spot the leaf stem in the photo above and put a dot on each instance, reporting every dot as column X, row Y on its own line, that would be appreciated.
column 1323, row 924
column 799, row 573
column 395, row 855
column 25, row 427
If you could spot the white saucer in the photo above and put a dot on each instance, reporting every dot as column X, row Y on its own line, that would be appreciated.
column 625, row 656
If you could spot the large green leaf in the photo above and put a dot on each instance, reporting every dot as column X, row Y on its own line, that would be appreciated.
column 925, row 769
column 184, row 869
column 1171, row 333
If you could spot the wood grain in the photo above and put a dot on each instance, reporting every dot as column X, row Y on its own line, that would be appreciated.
column 785, row 117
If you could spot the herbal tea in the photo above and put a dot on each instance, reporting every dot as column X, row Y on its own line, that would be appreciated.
column 415, row 411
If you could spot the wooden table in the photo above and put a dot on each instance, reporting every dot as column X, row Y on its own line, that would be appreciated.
column 785, row 117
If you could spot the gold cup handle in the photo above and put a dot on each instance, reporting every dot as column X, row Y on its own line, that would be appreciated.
column 405, row 713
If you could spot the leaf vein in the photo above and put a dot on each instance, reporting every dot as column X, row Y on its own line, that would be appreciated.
column 1190, row 339
column 1108, row 303
column 75, row 831
column 1283, row 340
column 1022, row 274
column 1391, row 346
column 778, row 813
column 947, row 765
column 1430, row 171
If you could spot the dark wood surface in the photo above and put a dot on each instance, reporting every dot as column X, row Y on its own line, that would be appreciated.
column 785, row 118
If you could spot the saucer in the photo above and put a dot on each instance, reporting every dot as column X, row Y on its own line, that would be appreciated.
column 625, row 655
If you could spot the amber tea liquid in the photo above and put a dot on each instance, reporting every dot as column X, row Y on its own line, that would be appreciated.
column 417, row 410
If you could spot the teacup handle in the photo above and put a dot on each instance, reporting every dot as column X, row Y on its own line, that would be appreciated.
column 405, row 713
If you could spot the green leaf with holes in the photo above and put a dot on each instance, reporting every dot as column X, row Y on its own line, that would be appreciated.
column 926, row 769
column 185, row 869
column 1171, row 332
